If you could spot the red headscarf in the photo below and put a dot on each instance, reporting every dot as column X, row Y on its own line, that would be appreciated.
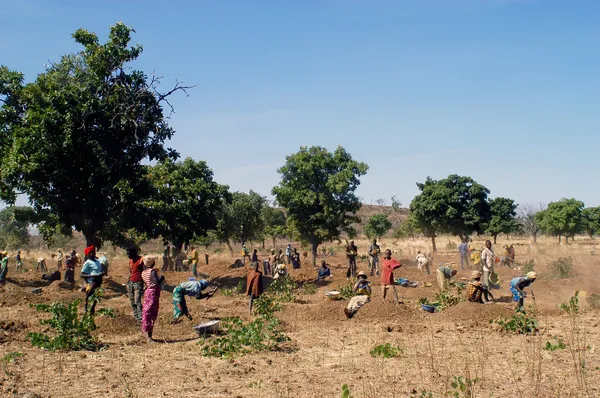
column 89, row 250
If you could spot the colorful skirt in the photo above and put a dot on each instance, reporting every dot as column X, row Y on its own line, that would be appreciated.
column 179, row 305
column 150, row 308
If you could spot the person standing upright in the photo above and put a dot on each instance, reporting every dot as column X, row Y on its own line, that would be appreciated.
column 3, row 267
column 19, row 262
column 92, row 273
column 351, row 253
column 288, row 253
column 387, row 274
column 488, row 259
column 374, row 251
column 195, row 259
column 463, row 250
column 135, row 285
column 59, row 260
column 151, row 296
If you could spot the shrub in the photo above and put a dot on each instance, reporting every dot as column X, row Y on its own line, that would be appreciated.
column 238, row 289
column 451, row 245
column 71, row 332
column 562, row 267
column 529, row 266
column 463, row 387
column 346, row 291
column 442, row 300
column 282, row 290
column 519, row 323
column 571, row 307
column 559, row 345
column 386, row 351
column 309, row 288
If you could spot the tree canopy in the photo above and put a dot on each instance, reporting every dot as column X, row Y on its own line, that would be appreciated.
column 562, row 218
column 74, row 139
column 377, row 226
column 456, row 205
column 184, row 202
column 591, row 220
column 317, row 190
column 503, row 220
column 274, row 221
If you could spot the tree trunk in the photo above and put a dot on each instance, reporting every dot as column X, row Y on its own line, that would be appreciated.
column 230, row 248
column 559, row 239
column 495, row 236
column 535, row 237
column 91, row 238
column 274, row 242
column 567, row 239
column 433, row 244
column 315, row 246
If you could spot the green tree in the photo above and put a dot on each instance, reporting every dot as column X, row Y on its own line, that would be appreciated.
column 317, row 190
column 185, row 201
column 274, row 221
column 74, row 140
column 455, row 205
column 504, row 217
column 378, row 225
column 14, row 226
column 591, row 220
column 409, row 228
column 562, row 218
column 241, row 219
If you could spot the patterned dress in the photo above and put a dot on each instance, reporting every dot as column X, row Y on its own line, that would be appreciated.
column 151, row 300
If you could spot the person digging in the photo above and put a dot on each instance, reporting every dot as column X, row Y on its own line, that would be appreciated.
column 363, row 290
column 518, row 284
column 475, row 288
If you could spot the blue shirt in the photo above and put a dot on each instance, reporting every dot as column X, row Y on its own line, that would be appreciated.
column 194, row 288
column 463, row 248
column 324, row 272
column 92, row 267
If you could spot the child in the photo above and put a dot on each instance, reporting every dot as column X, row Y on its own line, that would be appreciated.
column 363, row 288
column 254, row 284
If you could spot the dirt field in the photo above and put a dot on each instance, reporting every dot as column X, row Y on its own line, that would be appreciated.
column 329, row 349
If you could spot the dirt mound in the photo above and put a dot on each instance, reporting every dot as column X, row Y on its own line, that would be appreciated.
column 480, row 313
column 59, row 286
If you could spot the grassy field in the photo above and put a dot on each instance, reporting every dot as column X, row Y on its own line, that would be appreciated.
column 457, row 350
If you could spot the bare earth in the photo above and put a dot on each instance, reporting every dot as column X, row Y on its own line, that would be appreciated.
column 329, row 349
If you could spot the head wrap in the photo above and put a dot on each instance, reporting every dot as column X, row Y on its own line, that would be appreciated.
column 476, row 274
column 531, row 275
column 149, row 261
column 88, row 250
column 203, row 284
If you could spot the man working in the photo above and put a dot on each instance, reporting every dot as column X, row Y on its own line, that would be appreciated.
column 387, row 274
column 374, row 251
column 19, row 262
column 192, row 289
column 55, row 276
column 363, row 289
column 254, row 284
column 135, row 284
column 92, row 273
column 422, row 262
column 488, row 259
column 518, row 284
column 280, row 271
column 475, row 288
column 351, row 253
column 463, row 250
column 245, row 253
column 194, row 258
column 324, row 271
column 444, row 275
column 288, row 253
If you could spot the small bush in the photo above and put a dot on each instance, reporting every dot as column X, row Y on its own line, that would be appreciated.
column 529, row 266
column 451, row 245
column 346, row 291
column 558, row 345
column 346, row 391
column 519, row 323
column 238, row 289
column 594, row 300
column 463, row 387
column 386, row 351
column 572, row 306
column 309, row 288
column 442, row 300
column 11, row 357
column 562, row 267
column 71, row 332
column 282, row 290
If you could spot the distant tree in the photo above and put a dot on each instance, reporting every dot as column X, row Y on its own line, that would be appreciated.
column 75, row 140
column 526, row 214
column 274, row 221
column 407, row 229
column 317, row 190
column 455, row 205
column 562, row 218
column 503, row 220
column 377, row 226
column 14, row 226
column 241, row 219
column 396, row 204
column 184, row 202
column 380, row 202
column 591, row 220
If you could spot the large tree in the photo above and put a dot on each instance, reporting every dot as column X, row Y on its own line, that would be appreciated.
column 377, row 226
column 74, row 140
column 241, row 219
column 527, row 217
column 591, row 220
column 185, row 201
column 456, row 205
column 504, row 217
column 562, row 218
column 317, row 190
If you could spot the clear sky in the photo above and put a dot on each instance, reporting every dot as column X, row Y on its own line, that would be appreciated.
column 505, row 91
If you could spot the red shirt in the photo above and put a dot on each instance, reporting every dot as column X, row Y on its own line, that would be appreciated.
column 135, row 270
column 387, row 275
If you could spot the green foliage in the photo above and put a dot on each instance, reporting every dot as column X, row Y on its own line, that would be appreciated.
column 442, row 300
column 274, row 221
column 591, row 220
column 386, row 351
column 409, row 228
column 71, row 332
column 504, row 217
column 94, row 122
column 317, row 190
column 455, row 205
column 282, row 290
column 377, row 226
column 346, row 391
column 562, row 218
column 14, row 226
column 184, row 202
column 12, row 357
column 238, row 289
column 463, row 387
column 241, row 219
column 571, row 307
column 346, row 291
column 309, row 288
column 529, row 266
column 558, row 345
column 562, row 267
column 519, row 323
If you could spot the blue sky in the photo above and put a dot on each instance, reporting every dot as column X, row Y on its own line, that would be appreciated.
column 505, row 91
